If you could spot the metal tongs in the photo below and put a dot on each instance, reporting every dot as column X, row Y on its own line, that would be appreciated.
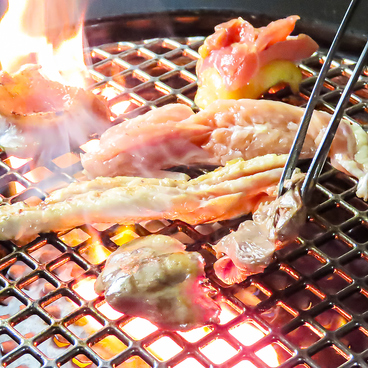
column 319, row 158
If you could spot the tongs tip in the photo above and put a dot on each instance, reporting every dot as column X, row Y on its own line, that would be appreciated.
column 324, row 147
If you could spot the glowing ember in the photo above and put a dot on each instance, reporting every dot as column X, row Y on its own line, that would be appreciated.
column 247, row 333
column 85, row 288
column 15, row 188
column 68, row 159
column 102, row 226
column 164, row 348
column 138, row 328
column 109, row 312
column 196, row 334
column 16, row 162
column 245, row 364
column 218, row 351
column 38, row 174
column 50, row 34
column 269, row 356
column 120, row 107
column 134, row 362
column 81, row 361
column 61, row 341
column 125, row 236
column 108, row 347
column 96, row 253
column 85, row 327
column 227, row 313
column 75, row 237
column 107, row 91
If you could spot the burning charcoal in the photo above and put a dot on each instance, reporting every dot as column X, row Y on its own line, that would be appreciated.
column 250, row 249
column 155, row 278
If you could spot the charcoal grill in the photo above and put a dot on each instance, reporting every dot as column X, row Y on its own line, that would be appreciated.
column 309, row 308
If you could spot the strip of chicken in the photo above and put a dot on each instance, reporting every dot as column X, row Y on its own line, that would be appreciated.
column 225, row 130
column 229, row 191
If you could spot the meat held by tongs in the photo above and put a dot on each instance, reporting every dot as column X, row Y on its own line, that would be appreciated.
column 250, row 249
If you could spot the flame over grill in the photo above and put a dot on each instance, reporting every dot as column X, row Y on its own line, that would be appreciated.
column 308, row 309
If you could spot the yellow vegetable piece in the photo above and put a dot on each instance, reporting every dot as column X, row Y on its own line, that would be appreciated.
column 212, row 87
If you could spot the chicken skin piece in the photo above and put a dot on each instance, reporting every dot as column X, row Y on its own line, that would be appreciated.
column 227, row 192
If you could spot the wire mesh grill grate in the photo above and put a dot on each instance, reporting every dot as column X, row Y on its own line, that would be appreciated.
column 308, row 309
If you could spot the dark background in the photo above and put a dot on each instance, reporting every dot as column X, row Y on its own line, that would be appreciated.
column 325, row 11
column 142, row 19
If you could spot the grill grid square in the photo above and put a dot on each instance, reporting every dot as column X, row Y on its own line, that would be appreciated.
column 138, row 328
column 26, row 360
column 218, row 351
column 330, row 356
column 61, row 307
column 55, row 346
column 108, row 347
column 84, row 325
column 164, row 348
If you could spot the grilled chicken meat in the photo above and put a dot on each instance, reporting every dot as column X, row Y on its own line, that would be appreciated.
column 240, row 61
column 139, row 146
column 225, row 130
column 155, row 278
column 250, row 249
column 283, row 216
column 229, row 191
column 43, row 118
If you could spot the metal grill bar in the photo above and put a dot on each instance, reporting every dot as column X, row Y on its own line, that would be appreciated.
column 311, row 104
column 310, row 306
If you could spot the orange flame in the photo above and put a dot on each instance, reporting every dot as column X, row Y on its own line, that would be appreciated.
column 48, row 33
